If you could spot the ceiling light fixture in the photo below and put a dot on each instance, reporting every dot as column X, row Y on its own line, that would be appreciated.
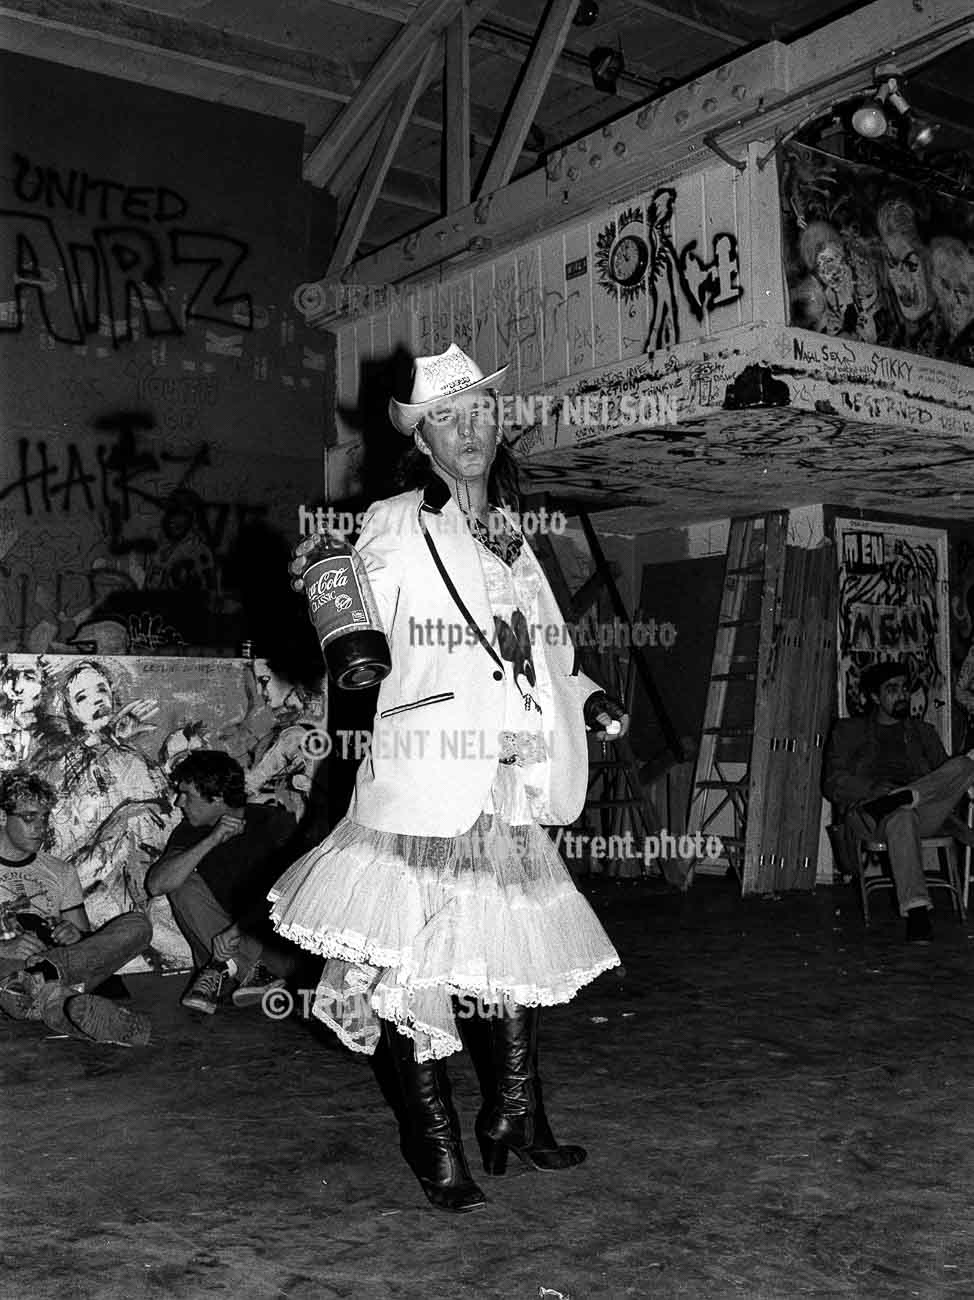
column 887, row 110
column 607, row 67
column 871, row 119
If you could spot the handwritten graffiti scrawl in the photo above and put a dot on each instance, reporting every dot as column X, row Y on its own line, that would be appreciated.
column 637, row 256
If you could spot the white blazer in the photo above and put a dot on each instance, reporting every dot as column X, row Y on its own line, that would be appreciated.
column 440, row 711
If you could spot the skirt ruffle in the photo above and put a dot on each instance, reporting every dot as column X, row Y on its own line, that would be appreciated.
column 407, row 924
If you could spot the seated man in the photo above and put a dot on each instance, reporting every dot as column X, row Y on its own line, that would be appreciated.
column 217, row 868
column 49, row 958
column 890, row 777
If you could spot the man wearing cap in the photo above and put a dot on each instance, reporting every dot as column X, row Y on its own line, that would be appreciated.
column 891, row 775
column 440, row 884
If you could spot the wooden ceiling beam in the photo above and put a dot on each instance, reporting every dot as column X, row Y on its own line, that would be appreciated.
column 684, row 19
column 410, row 190
column 397, row 117
column 509, row 43
column 759, row 96
column 456, row 133
column 355, row 160
column 36, row 28
column 395, row 64
column 552, row 34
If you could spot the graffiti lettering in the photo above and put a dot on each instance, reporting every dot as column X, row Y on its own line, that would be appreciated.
column 122, row 275
column 78, row 192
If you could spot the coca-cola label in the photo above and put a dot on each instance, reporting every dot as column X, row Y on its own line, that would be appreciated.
column 336, row 601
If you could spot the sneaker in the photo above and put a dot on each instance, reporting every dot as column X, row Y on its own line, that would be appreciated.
column 106, row 1022
column 204, row 992
column 253, row 986
column 918, row 927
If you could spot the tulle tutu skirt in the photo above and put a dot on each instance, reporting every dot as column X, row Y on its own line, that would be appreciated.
column 408, row 923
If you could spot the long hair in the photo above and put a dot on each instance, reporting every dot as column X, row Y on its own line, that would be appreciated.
column 503, row 483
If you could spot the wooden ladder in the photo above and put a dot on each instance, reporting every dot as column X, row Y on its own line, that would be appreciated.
column 750, row 600
column 617, row 802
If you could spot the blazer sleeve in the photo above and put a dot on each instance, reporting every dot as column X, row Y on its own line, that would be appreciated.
column 379, row 544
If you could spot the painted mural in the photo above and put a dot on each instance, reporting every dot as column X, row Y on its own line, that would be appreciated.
column 107, row 732
column 666, row 268
column 893, row 606
column 874, row 258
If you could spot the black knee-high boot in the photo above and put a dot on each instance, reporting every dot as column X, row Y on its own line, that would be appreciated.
column 504, row 1050
column 430, row 1129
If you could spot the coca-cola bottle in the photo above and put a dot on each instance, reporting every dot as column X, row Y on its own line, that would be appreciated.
column 344, row 615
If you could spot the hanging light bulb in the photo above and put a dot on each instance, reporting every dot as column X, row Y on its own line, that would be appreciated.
column 921, row 132
column 870, row 119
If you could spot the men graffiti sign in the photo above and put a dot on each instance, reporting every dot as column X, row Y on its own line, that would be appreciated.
column 892, row 606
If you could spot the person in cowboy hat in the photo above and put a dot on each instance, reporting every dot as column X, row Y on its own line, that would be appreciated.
column 439, row 902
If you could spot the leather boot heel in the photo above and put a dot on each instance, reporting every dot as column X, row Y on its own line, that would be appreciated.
column 494, row 1155
column 431, row 1141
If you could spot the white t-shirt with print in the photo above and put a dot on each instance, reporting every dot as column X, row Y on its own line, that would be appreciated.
column 52, row 886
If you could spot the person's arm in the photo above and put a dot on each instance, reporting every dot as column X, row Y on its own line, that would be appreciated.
column 72, row 923
column 843, row 780
column 72, row 927
column 175, row 867
column 933, row 748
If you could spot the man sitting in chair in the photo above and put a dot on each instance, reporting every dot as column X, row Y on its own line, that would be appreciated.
column 890, row 777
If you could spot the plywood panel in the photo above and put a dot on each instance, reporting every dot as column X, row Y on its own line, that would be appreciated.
column 578, row 309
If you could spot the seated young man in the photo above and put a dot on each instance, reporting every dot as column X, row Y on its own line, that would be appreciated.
column 890, row 776
column 51, row 959
column 216, row 869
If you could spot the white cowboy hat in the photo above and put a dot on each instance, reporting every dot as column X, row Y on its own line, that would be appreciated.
column 435, row 379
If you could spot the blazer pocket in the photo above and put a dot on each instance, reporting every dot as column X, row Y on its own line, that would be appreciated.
column 417, row 704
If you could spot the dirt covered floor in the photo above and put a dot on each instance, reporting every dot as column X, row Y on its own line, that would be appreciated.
column 775, row 1103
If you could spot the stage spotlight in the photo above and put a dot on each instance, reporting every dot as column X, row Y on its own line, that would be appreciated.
column 871, row 119
column 607, row 67
column 586, row 14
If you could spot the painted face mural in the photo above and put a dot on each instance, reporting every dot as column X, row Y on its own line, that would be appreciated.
column 22, row 687
column 952, row 273
column 276, row 692
column 89, row 699
column 907, row 276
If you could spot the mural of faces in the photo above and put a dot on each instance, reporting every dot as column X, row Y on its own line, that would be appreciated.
column 21, row 685
column 907, row 273
column 877, row 258
column 89, row 698
column 952, row 273
column 277, row 693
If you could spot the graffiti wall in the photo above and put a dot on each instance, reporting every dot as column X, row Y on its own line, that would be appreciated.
column 873, row 258
column 665, row 268
column 893, row 606
column 107, row 732
column 160, row 394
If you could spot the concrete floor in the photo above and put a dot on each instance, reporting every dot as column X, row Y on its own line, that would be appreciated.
column 776, row 1105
